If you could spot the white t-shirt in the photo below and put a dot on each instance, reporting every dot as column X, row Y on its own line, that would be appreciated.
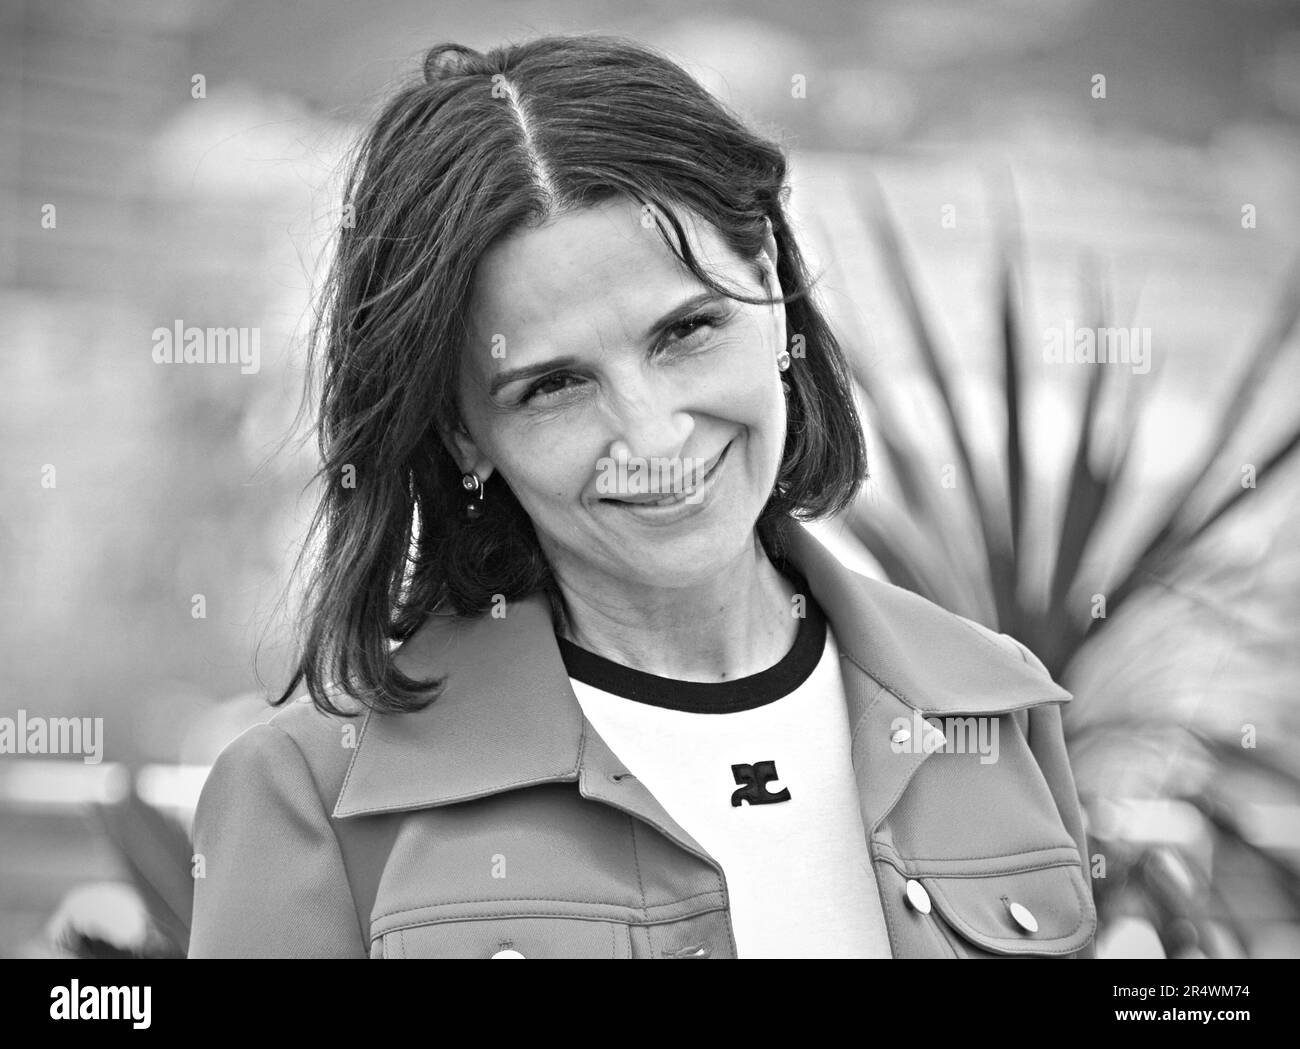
column 798, row 872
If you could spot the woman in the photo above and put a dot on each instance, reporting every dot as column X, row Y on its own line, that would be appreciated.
column 576, row 397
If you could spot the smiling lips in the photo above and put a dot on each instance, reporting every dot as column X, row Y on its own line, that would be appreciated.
column 687, row 489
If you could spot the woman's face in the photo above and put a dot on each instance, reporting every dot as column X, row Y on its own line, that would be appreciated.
column 638, row 417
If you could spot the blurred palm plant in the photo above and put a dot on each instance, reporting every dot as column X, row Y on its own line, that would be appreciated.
column 155, row 851
column 1183, row 683
column 146, row 917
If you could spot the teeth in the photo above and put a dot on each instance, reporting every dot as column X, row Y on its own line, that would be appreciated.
column 673, row 497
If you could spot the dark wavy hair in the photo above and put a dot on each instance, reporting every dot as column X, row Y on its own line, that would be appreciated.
column 480, row 145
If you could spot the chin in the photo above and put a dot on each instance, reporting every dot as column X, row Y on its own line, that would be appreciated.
column 687, row 556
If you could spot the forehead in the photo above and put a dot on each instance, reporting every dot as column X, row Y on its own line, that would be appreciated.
column 598, row 271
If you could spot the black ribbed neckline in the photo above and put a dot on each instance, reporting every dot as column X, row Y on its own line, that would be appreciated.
column 708, row 697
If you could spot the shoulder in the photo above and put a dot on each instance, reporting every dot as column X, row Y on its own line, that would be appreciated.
column 300, row 747
column 930, row 618
column 272, row 881
column 920, row 612
column 933, row 659
column 1008, row 646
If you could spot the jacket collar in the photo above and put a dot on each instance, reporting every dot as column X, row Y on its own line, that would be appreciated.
column 507, row 716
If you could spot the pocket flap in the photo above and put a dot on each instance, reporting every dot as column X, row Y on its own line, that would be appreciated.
column 1024, row 905
column 508, row 937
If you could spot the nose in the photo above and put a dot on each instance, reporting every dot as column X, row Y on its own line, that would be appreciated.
column 647, row 426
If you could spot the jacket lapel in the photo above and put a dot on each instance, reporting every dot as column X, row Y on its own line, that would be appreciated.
column 903, row 658
column 507, row 716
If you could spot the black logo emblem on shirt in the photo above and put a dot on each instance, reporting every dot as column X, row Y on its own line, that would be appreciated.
column 753, row 780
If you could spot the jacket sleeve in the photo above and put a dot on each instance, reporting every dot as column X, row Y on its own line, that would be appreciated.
column 271, row 881
column 1047, row 742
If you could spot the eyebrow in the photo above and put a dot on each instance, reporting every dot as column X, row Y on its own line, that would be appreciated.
column 674, row 316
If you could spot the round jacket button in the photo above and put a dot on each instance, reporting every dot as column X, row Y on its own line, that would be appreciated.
column 917, row 897
column 1023, row 917
column 507, row 954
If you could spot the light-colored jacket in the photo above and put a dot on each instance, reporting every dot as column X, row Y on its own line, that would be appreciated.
column 497, row 822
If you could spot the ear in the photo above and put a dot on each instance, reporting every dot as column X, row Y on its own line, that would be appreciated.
column 772, row 283
column 468, row 456
column 770, row 255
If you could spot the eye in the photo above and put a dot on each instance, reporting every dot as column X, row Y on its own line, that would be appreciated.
column 685, row 335
column 689, row 329
column 547, row 387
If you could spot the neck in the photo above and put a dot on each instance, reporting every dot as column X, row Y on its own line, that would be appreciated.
column 737, row 622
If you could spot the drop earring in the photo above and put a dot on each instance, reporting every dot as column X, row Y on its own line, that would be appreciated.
column 474, row 507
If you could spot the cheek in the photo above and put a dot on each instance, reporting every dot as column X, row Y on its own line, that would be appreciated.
column 544, row 462
column 743, row 382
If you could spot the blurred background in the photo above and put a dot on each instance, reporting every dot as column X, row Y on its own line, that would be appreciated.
column 976, row 182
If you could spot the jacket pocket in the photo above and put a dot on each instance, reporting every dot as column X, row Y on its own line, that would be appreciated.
column 1037, row 903
column 508, row 937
